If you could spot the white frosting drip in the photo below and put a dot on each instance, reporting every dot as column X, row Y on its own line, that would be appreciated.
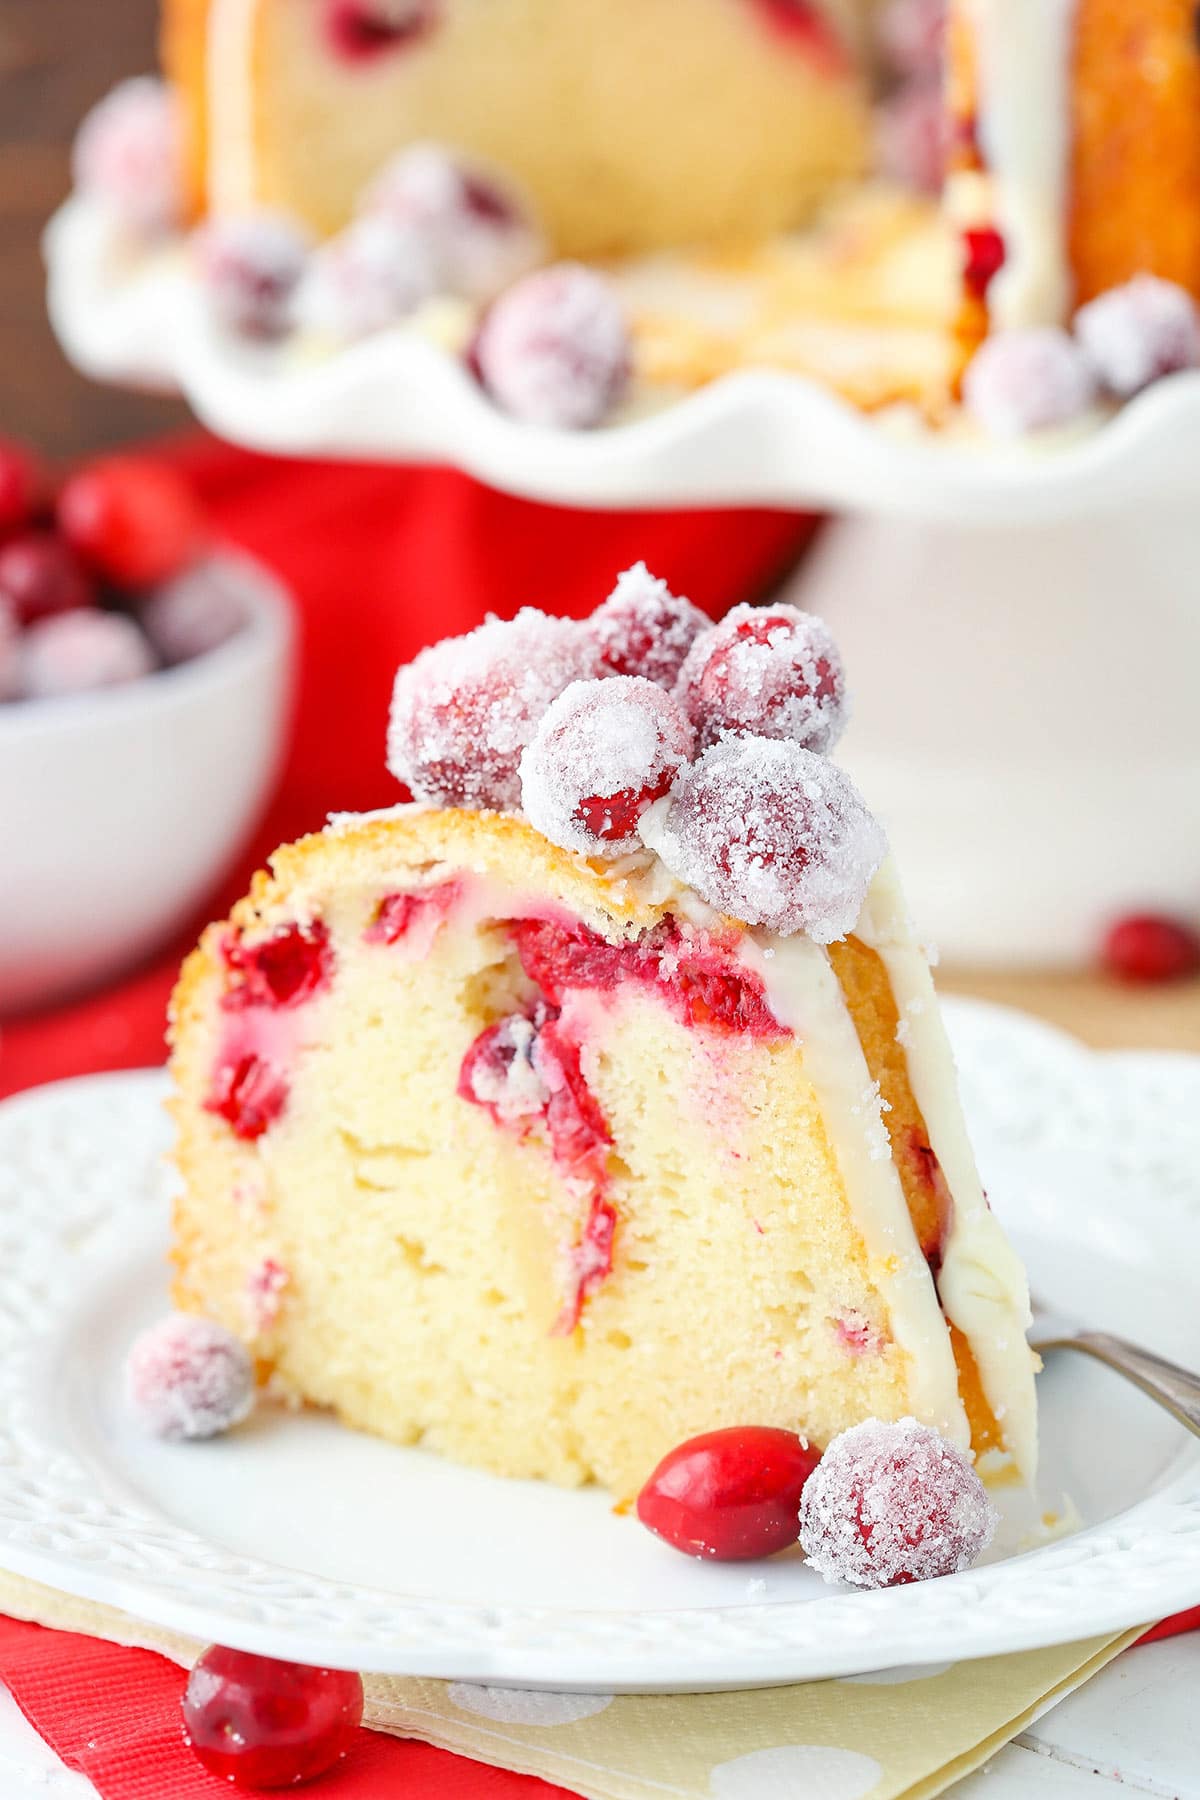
column 981, row 1281
column 804, row 993
column 232, row 186
column 1024, row 124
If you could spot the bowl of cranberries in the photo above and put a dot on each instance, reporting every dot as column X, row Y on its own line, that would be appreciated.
column 143, row 680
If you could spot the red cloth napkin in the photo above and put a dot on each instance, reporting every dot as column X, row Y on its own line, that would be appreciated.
column 382, row 561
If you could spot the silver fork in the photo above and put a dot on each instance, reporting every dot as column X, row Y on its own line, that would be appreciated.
column 1175, row 1389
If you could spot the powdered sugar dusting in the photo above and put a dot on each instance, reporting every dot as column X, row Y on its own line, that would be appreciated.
column 770, row 834
column 465, row 709
column 1139, row 332
column 370, row 276
column 645, row 629
column 476, row 230
column 602, row 753
column 188, row 1378
column 893, row 1503
column 774, row 671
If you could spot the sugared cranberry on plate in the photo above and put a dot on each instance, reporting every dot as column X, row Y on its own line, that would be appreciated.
column 41, row 576
column 77, row 652
column 1029, row 380
column 910, row 136
column 265, row 1724
column 368, row 277
column 770, row 834
column 912, row 36
column 771, row 671
column 645, row 629
column 189, row 1378
column 250, row 268
column 192, row 614
column 128, row 155
column 892, row 1504
column 555, row 349
column 476, row 229
column 603, row 753
column 1149, row 948
column 730, row 1495
column 1139, row 332
column 22, row 483
column 465, row 709
column 133, row 519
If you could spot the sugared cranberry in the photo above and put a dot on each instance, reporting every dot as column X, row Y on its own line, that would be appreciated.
column 476, row 230
column 196, row 612
column 41, row 576
column 774, row 672
column 133, row 519
column 730, row 1495
column 249, row 1093
column 286, row 968
column 910, row 136
column 250, row 268
column 368, row 277
column 894, row 1503
column 644, row 629
column 984, row 255
column 22, row 483
column 1148, row 948
column 603, row 752
column 10, row 653
column 912, row 36
column 463, row 712
column 1137, row 333
column 360, row 30
column 267, row 1724
column 189, row 1378
column 555, row 349
column 128, row 155
column 772, row 835
column 76, row 652
column 1028, row 380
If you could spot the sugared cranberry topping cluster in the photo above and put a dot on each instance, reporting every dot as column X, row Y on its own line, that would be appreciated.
column 260, row 1723
column 773, row 672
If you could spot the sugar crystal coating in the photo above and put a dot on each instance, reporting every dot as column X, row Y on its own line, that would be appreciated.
column 603, row 752
column 770, row 834
column 891, row 1504
column 772, row 671
column 476, row 229
column 74, row 652
column 192, row 614
column 465, row 709
column 1028, row 380
column 251, row 266
column 128, row 155
column 366, row 278
column 189, row 1378
column 1139, row 332
column 555, row 349
column 645, row 629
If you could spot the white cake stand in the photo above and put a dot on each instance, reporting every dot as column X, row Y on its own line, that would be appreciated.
column 1020, row 623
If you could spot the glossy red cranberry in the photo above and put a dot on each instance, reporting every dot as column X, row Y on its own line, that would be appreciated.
column 21, row 484
column 132, row 519
column 983, row 259
column 40, row 576
column 285, row 969
column 249, row 1093
column 1147, row 948
column 730, row 1495
column 267, row 1724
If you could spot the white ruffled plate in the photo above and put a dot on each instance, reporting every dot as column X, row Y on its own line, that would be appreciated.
column 301, row 1539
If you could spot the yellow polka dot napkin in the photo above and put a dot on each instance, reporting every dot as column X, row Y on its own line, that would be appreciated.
column 905, row 1734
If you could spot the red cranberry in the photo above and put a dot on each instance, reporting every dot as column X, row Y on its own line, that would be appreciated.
column 554, row 349
column 135, row 520
column 361, row 30
column 189, row 1378
column 644, row 629
column 730, row 1495
column 1028, row 380
column 40, row 576
column 892, row 1504
column 772, row 671
column 477, row 233
column 249, row 1093
column 603, row 753
column 250, row 268
column 268, row 1724
column 397, row 914
column 1147, row 948
column 805, row 27
column 80, row 651
column 128, row 155
column 983, row 258
column 284, row 969
column 463, row 712
column 1137, row 333
column 22, row 483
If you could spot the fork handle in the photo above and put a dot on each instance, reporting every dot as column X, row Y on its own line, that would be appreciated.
column 1172, row 1387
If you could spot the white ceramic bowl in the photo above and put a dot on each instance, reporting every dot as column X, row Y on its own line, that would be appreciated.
column 119, row 809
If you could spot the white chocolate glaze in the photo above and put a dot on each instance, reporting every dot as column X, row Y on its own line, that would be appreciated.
column 1024, row 125
column 981, row 1282
column 804, row 994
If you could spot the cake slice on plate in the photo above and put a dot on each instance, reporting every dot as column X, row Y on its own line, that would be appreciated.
column 605, row 1101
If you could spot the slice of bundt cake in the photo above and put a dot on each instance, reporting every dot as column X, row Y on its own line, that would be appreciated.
column 630, row 123
column 551, row 1140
